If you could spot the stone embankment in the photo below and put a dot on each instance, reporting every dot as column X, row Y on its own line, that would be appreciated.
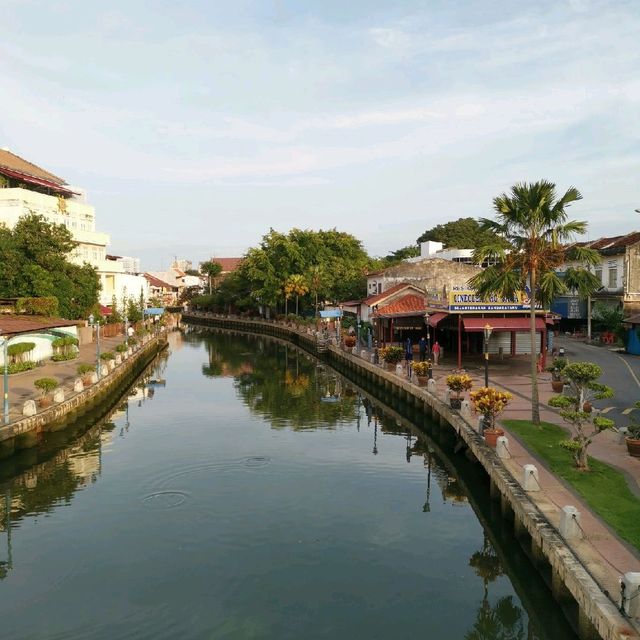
column 588, row 605
column 23, row 433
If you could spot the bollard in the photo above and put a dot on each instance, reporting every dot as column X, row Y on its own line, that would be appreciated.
column 465, row 409
column 94, row 377
column 29, row 408
column 502, row 448
column 104, row 371
column 431, row 385
column 363, row 354
column 118, row 359
column 111, row 365
column 531, row 482
column 399, row 370
column 623, row 433
column 373, row 358
column 78, row 385
column 447, row 395
column 569, row 523
column 481, row 425
column 58, row 396
column 630, row 588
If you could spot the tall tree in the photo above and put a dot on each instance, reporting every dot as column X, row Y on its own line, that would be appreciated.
column 296, row 285
column 534, row 223
column 463, row 233
column 211, row 269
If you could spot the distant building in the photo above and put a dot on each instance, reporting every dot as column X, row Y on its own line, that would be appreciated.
column 27, row 188
column 229, row 265
column 182, row 264
column 129, row 264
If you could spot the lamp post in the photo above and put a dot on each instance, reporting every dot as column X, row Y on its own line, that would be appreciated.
column 358, row 332
column 426, row 321
column 487, row 334
column 97, row 325
column 5, row 353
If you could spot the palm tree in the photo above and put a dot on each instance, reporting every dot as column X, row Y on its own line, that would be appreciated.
column 211, row 269
column 296, row 285
column 535, row 224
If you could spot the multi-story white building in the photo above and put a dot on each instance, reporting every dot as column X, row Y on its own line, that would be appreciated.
column 26, row 188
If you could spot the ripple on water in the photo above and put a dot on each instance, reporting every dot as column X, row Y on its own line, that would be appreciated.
column 160, row 500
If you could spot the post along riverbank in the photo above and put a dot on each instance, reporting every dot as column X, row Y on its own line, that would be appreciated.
column 588, row 605
column 23, row 433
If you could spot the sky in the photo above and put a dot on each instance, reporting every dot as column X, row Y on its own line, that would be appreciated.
column 196, row 126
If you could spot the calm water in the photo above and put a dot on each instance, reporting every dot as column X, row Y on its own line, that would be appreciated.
column 248, row 492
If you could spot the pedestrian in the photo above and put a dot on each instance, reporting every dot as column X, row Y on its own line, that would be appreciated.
column 130, row 331
column 422, row 346
column 436, row 352
column 408, row 350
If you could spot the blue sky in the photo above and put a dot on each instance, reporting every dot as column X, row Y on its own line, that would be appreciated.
column 195, row 126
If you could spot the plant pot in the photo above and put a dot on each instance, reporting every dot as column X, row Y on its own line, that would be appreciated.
column 557, row 385
column 87, row 381
column 633, row 447
column 422, row 380
column 455, row 403
column 587, row 407
column 45, row 402
column 491, row 436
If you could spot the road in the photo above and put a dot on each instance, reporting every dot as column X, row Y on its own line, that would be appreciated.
column 620, row 371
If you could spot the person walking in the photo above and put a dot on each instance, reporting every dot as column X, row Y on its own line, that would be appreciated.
column 422, row 346
column 436, row 352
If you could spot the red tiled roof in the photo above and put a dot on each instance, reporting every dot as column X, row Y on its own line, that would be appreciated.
column 11, row 324
column 502, row 324
column 227, row 264
column 612, row 244
column 407, row 305
column 373, row 300
column 156, row 282
column 15, row 163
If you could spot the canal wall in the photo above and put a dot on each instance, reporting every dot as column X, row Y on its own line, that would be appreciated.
column 590, row 610
column 23, row 434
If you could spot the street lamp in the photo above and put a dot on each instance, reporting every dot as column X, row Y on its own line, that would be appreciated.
column 5, row 353
column 487, row 334
column 97, row 325
column 427, row 317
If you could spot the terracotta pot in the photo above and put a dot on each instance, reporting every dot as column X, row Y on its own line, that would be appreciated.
column 422, row 380
column 633, row 447
column 86, row 381
column 491, row 436
column 587, row 407
column 557, row 385
column 455, row 403
column 45, row 402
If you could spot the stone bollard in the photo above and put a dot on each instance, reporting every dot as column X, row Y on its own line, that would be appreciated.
column 481, row 425
column 630, row 587
column 78, row 385
column 623, row 433
column 373, row 358
column 104, row 371
column 363, row 354
column 465, row 409
column 431, row 386
column 111, row 364
column 447, row 395
column 94, row 377
column 569, row 523
column 58, row 396
column 399, row 370
column 130, row 352
column 29, row 408
column 118, row 359
column 531, row 482
column 502, row 447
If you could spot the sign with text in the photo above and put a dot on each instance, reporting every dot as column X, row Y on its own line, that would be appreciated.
column 469, row 300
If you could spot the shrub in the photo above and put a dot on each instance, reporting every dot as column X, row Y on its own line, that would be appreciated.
column 490, row 403
column 44, row 306
column 45, row 385
column 459, row 382
column 133, row 342
column 84, row 368
column 16, row 351
column 19, row 367
column 422, row 368
column 121, row 348
column 62, row 357
column 107, row 355
column 64, row 348
column 391, row 354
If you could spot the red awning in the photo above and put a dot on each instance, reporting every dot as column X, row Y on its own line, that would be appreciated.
column 105, row 311
column 502, row 324
column 434, row 318
column 33, row 180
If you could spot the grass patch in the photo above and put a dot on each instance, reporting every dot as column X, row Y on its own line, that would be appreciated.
column 604, row 488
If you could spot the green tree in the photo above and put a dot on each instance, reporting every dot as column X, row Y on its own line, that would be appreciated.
column 211, row 270
column 463, row 233
column 34, row 263
column 296, row 285
column 315, row 278
column 410, row 251
column 534, row 223
column 582, row 378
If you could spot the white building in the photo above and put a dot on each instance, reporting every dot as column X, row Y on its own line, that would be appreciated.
column 26, row 188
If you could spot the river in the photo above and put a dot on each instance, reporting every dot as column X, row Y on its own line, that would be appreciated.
column 243, row 490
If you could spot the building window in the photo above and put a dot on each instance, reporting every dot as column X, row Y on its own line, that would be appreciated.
column 613, row 278
column 599, row 275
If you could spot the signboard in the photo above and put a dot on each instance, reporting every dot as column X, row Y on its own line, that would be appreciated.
column 469, row 300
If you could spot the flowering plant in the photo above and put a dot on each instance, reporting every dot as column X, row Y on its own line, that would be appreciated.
column 459, row 382
column 391, row 354
column 490, row 403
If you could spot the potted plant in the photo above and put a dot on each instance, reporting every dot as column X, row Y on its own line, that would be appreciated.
column 349, row 342
column 391, row 355
column 85, row 371
column 46, row 385
column 490, row 403
column 421, row 371
column 557, row 379
column 458, row 383
column 633, row 437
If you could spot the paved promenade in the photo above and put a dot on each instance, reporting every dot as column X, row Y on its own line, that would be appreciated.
column 21, row 384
